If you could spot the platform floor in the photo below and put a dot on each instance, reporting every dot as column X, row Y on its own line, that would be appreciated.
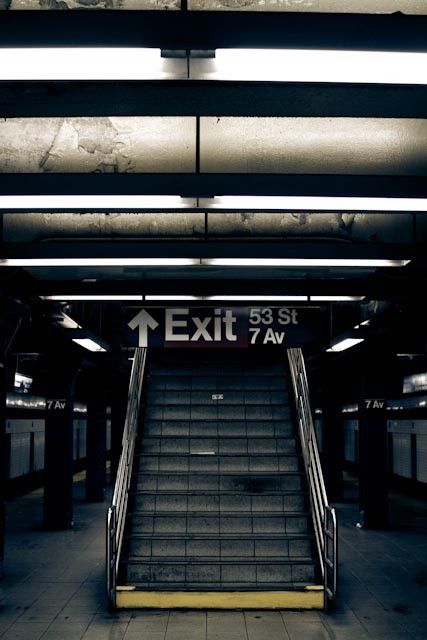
column 54, row 585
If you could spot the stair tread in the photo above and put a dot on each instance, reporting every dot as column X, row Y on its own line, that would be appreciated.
column 255, row 473
column 219, row 586
column 202, row 560
column 180, row 454
column 217, row 437
column 212, row 492
column 228, row 514
column 225, row 536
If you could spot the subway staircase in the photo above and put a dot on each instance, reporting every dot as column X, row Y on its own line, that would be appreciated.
column 218, row 513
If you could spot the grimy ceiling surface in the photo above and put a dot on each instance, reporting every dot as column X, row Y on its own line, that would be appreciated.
column 202, row 139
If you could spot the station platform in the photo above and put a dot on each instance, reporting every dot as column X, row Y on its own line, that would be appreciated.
column 54, row 588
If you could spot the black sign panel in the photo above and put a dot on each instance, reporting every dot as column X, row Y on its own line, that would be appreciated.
column 224, row 327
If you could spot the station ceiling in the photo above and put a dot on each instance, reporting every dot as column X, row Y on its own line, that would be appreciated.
column 190, row 141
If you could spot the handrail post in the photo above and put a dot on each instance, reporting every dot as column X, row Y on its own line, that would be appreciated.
column 323, row 514
column 116, row 515
column 111, row 554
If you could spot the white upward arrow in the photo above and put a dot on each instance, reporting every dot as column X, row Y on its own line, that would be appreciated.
column 144, row 321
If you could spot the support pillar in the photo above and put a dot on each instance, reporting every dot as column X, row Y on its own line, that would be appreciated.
column 332, row 446
column 373, row 491
column 4, row 461
column 118, row 414
column 96, row 444
column 379, row 383
column 58, row 490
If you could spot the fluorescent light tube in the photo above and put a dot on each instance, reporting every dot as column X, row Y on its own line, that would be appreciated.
column 68, row 323
column 84, row 63
column 365, row 323
column 98, row 262
column 92, row 202
column 153, row 298
column 74, row 298
column 303, row 262
column 336, row 298
column 313, row 203
column 252, row 203
column 89, row 344
column 318, row 65
column 222, row 262
column 259, row 298
column 347, row 343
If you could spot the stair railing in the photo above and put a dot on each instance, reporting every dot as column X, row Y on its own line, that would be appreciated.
column 324, row 517
column 116, row 515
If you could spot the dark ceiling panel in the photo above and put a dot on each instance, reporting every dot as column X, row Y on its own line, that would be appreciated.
column 208, row 185
column 219, row 98
column 199, row 248
column 207, row 30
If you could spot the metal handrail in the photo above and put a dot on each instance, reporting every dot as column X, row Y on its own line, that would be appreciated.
column 324, row 517
column 116, row 515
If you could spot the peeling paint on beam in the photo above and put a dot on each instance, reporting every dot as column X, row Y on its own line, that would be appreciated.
column 350, row 227
column 97, row 145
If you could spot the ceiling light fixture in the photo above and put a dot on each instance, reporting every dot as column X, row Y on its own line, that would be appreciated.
column 98, row 262
column 347, row 343
column 67, row 323
column 304, row 262
column 215, row 262
column 89, row 344
column 88, row 297
column 365, row 323
column 313, row 203
column 166, row 297
column 259, row 298
column 336, row 298
column 94, row 202
column 84, row 63
column 313, row 65
column 218, row 203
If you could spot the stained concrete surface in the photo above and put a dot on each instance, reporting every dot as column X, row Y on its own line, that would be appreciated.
column 326, row 6
column 54, row 585
column 98, row 145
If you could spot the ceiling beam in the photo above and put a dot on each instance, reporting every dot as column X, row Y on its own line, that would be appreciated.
column 211, row 184
column 208, row 30
column 376, row 287
column 208, row 98
column 199, row 248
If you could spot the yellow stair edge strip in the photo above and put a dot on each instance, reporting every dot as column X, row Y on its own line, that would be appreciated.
column 131, row 598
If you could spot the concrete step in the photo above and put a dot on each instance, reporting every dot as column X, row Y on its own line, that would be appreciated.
column 232, row 428
column 217, row 384
column 196, row 523
column 217, row 446
column 217, row 412
column 184, row 502
column 227, row 397
column 206, row 570
column 267, row 463
column 224, row 548
column 256, row 482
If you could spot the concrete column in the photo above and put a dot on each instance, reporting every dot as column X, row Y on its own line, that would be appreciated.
column 58, row 490
column 96, row 443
